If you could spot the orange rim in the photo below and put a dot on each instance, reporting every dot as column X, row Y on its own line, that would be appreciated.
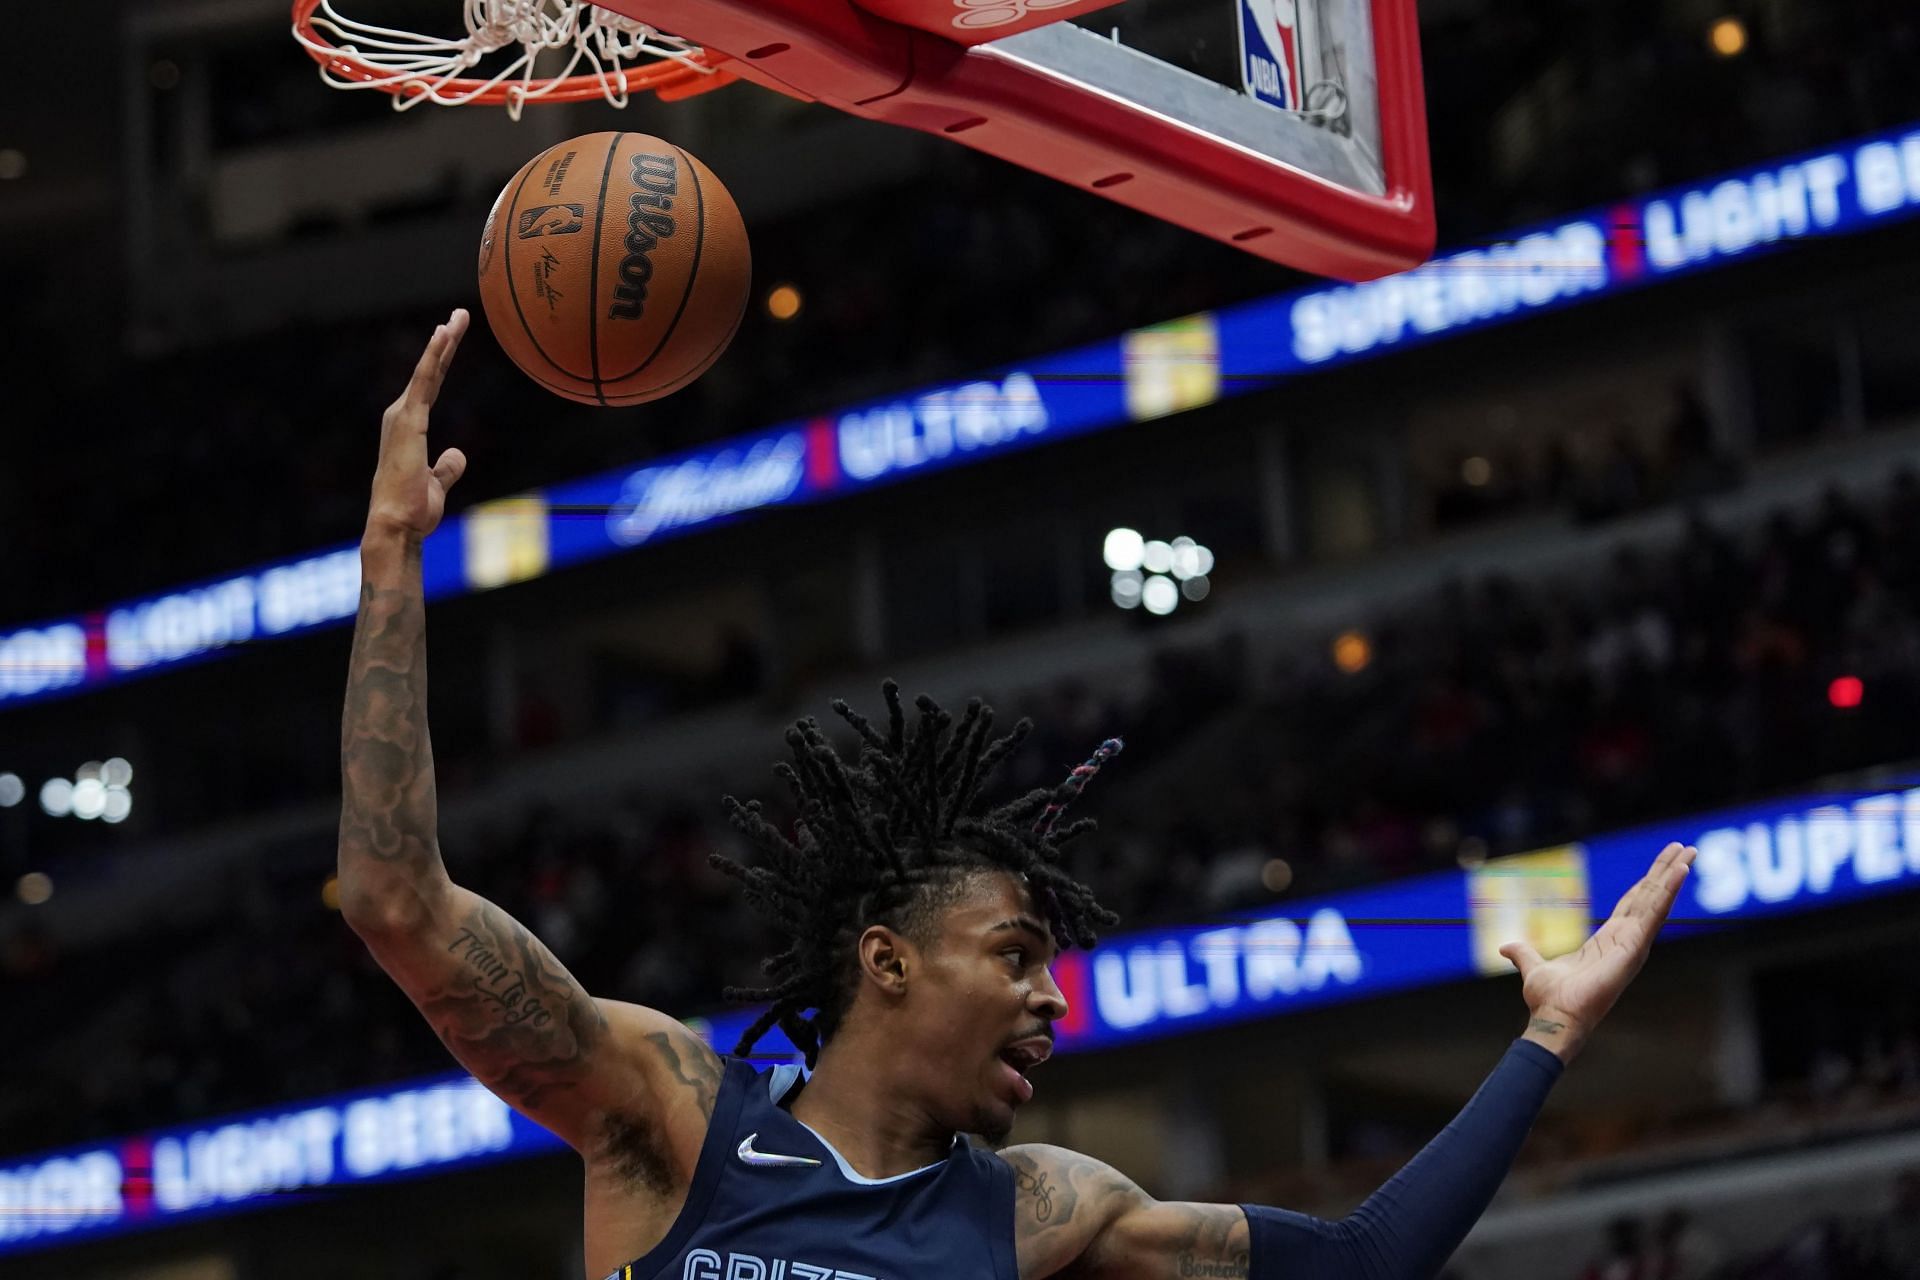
column 668, row 78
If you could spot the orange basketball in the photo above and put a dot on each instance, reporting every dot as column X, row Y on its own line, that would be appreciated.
column 614, row 268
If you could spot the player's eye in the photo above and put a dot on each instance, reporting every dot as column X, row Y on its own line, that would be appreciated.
column 1018, row 955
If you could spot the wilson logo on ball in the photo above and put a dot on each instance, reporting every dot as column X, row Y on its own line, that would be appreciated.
column 656, row 180
column 552, row 220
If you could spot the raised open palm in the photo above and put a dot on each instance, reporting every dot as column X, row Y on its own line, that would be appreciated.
column 1573, row 992
column 409, row 497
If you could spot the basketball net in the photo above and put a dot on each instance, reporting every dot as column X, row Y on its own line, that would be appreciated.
column 612, row 56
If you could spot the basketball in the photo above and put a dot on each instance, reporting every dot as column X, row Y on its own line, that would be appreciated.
column 614, row 268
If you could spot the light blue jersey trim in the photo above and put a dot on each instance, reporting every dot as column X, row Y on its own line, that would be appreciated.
column 781, row 1083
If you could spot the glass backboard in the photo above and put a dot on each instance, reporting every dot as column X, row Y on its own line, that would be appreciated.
column 1295, row 129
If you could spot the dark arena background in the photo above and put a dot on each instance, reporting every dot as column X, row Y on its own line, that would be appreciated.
column 1429, row 609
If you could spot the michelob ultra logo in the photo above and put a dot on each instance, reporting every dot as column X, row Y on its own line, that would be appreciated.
column 1210, row 971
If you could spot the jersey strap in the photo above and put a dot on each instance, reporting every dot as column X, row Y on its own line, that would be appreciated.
column 738, row 1079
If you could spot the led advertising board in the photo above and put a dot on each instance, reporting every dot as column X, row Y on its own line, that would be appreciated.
column 1789, row 856
column 1164, row 369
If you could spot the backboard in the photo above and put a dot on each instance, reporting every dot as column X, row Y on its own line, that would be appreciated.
column 1294, row 129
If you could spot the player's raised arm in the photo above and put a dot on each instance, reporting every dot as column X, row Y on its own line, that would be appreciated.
column 499, row 1000
column 1074, row 1215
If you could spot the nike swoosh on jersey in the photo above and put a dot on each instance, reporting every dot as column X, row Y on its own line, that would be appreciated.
column 767, row 1159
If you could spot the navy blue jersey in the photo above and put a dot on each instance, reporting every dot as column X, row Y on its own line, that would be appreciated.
column 771, row 1200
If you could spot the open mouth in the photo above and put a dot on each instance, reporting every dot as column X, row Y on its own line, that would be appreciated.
column 1024, row 1055
column 1021, row 1057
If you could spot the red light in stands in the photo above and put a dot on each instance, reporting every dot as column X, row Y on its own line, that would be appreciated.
column 1846, row 692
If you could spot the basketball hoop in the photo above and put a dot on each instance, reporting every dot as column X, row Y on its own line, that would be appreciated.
column 622, row 56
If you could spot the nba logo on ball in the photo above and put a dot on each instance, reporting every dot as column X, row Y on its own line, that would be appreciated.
column 552, row 220
column 1270, row 59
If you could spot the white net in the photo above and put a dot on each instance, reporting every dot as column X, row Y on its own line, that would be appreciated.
column 417, row 68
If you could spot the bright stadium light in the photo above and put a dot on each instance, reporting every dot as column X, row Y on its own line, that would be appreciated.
column 1186, row 558
column 117, row 772
column 117, row 805
column 89, row 799
column 1190, row 559
column 56, row 797
column 1123, row 550
column 12, row 790
column 1157, row 575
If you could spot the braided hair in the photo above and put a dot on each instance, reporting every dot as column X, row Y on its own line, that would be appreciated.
column 889, row 839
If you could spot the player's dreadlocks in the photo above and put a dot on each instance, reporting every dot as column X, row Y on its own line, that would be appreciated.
column 887, row 840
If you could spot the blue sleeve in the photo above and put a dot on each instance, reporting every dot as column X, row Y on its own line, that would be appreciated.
column 1410, row 1227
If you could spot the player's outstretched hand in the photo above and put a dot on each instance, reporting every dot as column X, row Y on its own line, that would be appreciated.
column 409, row 497
column 1568, row 996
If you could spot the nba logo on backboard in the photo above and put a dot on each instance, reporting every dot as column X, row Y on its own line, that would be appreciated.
column 1270, row 56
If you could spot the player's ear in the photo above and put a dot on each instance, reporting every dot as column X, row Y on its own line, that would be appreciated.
column 885, row 958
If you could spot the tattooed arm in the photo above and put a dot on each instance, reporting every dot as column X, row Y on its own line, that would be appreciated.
column 1074, row 1216
column 597, row 1073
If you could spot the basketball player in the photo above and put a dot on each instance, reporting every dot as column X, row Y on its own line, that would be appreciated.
column 919, row 930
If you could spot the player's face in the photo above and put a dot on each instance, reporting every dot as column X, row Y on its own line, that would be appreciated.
column 986, row 1005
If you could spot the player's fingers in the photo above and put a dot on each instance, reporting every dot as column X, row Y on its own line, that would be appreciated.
column 452, row 465
column 1670, row 882
column 1658, row 871
column 1521, row 956
column 1632, row 903
column 456, row 328
column 1645, row 895
column 424, row 388
column 423, row 369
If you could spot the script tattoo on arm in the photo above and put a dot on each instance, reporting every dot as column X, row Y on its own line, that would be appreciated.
column 1076, row 1217
column 1212, row 1239
column 509, row 1011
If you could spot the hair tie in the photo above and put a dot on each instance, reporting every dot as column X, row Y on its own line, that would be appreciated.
column 1076, row 782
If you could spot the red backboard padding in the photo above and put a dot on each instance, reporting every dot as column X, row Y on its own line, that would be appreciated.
column 978, row 21
column 839, row 54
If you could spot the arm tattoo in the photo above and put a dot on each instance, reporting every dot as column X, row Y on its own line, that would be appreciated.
column 1215, row 1241
column 1061, row 1200
column 1547, row 1026
column 693, row 1065
column 387, row 814
column 1075, row 1217
column 1041, row 1198
column 511, row 1013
